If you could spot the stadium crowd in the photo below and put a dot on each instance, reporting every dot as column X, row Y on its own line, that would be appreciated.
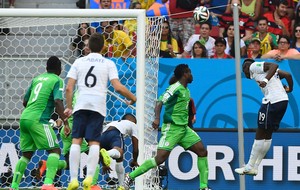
column 261, row 24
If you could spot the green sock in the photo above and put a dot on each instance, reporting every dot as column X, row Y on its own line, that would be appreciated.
column 147, row 165
column 19, row 172
column 203, row 171
column 52, row 166
column 96, row 175
column 62, row 164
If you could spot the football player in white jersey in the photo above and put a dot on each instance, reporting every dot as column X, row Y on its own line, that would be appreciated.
column 112, row 139
column 273, row 107
column 91, row 74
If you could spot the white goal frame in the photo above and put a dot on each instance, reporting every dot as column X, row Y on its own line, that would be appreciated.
column 140, row 15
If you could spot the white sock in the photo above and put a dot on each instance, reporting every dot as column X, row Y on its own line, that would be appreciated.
column 114, row 153
column 257, row 148
column 266, row 147
column 120, row 172
column 74, row 160
column 92, row 160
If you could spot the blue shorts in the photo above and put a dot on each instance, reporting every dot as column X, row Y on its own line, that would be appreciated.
column 87, row 124
column 270, row 115
column 112, row 138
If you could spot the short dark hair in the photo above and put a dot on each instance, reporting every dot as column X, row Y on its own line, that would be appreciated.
column 96, row 42
column 262, row 18
column 247, row 61
column 53, row 64
column 180, row 70
column 208, row 23
column 127, row 116
column 220, row 40
column 284, row 2
column 285, row 37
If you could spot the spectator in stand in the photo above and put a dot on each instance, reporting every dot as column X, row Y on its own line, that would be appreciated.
column 267, row 39
column 116, row 42
column 246, row 24
column 296, row 38
column 230, row 50
column 86, row 49
column 104, row 4
column 168, row 44
column 217, row 7
column 270, row 6
column 130, row 26
column 199, row 50
column 182, row 23
column 220, row 46
column 278, row 21
column 283, row 52
column 249, row 7
column 296, row 21
column 254, row 49
column 158, row 8
column 146, row 4
column 203, row 38
column 11, row 3
column 83, row 33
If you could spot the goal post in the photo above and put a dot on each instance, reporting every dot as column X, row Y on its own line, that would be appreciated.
column 22, row 58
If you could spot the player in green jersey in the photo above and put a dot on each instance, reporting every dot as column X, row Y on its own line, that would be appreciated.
column 36, row 133
column 175, row 129
column 67, row 142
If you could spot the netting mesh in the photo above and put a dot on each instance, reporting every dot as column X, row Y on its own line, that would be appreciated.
column 26, row 44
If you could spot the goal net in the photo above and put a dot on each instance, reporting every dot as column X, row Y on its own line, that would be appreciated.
column 28, row 37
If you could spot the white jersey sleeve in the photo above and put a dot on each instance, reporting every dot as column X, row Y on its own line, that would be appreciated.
column 126, row 127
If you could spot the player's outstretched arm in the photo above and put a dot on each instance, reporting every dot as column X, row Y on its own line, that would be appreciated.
column 157, row 111
column 69, row 97
column 121, row 89
column 59, row 109
column 135, row 152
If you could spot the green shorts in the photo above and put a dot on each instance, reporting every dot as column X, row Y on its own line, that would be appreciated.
column 172, row 135
column 37, row 136
column 67, row 141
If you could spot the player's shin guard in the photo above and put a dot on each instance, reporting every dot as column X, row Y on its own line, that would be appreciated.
column 62, row 164
column 96, row 175
column 257, row 148
column 266, row 147
column 120, row 172
column 92, row 160
column 146, row 166
column 52, row 166
column 19, row 171
column 203, row 171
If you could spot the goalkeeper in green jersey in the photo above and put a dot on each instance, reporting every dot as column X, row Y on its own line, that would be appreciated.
column 36, row 132
column 175, row 129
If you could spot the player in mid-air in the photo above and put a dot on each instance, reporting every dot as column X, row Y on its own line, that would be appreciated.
column 36, row 133
column 112, row 139
column 273, row 107
column 175, row 129
column 91, row 74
